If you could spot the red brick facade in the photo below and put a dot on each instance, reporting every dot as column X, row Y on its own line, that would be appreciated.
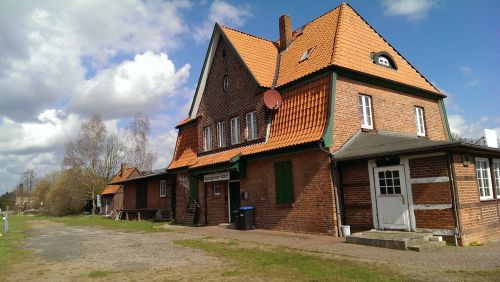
column 392, row 111
column 479, row 220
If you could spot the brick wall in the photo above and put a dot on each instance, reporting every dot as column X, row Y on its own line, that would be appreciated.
column 356, row 196
column 313, row 210
column 480, row 220
column 242, row 97
column 392, row 111
column 181, row 195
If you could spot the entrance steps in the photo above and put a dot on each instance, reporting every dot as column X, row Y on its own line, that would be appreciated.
column 399, row 240
column 227, row 225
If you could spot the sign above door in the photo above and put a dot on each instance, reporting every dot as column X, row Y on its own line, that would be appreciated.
column 216, row 177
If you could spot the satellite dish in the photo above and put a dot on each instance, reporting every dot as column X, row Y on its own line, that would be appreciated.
column 272, row 99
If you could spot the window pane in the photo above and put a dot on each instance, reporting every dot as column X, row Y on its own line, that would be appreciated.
column 383, row 190
column 397, row 189
column 390, row 190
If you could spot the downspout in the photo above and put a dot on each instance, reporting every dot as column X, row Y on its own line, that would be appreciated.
column 333, row 173
column 454, row 194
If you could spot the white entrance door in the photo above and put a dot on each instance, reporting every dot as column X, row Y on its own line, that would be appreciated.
column 392, row 197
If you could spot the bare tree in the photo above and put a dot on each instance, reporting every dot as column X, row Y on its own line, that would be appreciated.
column 114, row 155
column 28, row 180
column 138, row 138
column 85, row 153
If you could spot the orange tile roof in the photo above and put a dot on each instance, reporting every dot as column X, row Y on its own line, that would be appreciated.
column 111, row 189
column 259, row 55
column 185, row 148
column 301, row 119
column 184, row 121
column 341, row 38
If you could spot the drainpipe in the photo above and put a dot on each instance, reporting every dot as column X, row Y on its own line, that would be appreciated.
column 454, row 194
column 333, row 169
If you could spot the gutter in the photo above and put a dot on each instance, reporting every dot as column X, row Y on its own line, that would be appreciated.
column 333, row 173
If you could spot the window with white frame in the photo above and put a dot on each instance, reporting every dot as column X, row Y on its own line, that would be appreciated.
column 484, row 179
column 217, row 187
column 235, row 130
column 207, row 138
column 496, row 170
column 419, row 119
column 163, row 188
column 365, row 111
column 251, row 126
column 221, row 134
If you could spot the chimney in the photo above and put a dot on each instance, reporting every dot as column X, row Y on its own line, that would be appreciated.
column 123, row 166
column 285, row 31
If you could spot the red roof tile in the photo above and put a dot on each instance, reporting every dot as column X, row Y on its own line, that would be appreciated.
column 112, row 189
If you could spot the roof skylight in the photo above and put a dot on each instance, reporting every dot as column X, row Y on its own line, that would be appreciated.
column 306, row 54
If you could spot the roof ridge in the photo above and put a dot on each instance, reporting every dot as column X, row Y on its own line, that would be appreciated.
column 401, row 55
column 317, row 18
column 336, row 33
column 246, row 33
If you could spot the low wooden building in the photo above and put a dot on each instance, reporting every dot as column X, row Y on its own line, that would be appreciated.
column 112, row 196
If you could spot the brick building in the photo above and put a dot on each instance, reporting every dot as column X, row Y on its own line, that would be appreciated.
column 112, row 195
column 360, row 138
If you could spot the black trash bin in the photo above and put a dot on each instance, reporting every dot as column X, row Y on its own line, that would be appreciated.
column 246, row 218
column 235, row 216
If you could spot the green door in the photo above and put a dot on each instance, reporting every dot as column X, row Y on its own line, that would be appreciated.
column 234, row 198
column 193, row 188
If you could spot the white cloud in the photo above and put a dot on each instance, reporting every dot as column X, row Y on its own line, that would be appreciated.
column 473, row 129
column 45, row 43
column 412, row 9
column 132, row 86
column 163, row 146
column 225, row 14
column 469, row 75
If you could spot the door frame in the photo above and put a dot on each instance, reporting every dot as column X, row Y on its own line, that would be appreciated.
column 229, row 198
column 404, row 162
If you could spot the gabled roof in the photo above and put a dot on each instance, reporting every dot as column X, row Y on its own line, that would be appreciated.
column 259, row 55
column 112, row 189
column 301, row 119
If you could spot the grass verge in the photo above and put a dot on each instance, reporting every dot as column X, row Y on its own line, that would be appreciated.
column 10, row 253
column 104, row 222
column 286, row 264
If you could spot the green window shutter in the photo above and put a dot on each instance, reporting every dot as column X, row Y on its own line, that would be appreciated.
column 278, row 175
column 288, row 182
column 284, row 182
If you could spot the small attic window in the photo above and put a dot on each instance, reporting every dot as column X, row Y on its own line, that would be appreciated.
column 306, row 54
column 384, row 59
column 225, row 83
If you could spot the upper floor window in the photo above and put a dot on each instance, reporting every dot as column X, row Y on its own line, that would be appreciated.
column 225, row 83
column 207, row 138
column 384, row 59
column 163, row 188
column 420, row 122
column 365, row 111
column 484, row 179
column 496, row 170
column 251, row 122
column 235, row 130
column 221, row 134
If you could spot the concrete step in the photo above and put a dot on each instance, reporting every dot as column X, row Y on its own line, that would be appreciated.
column 399, row 240
column 227, row 225
column 426, row 246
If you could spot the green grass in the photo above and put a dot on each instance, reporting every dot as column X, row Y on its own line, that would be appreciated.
column 287, row 264
column 99, row 274
column 104, row 222
column 10, row 253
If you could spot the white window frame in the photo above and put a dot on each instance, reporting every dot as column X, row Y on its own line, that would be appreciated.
column 366, row 113
column 207, row 138
column 483, row 176
column 235, row 131
column 251, row 125
column 221, row 134
column 420, row 121
column 163, row 188
column 496, row 171
column 217, row 188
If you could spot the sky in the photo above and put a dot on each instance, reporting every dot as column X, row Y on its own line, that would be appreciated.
column 63, row 61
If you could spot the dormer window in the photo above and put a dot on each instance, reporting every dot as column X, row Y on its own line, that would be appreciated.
column 384, row 59
column 306, row 54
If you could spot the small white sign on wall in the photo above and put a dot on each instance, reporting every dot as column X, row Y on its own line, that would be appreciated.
column 216, row 177
column 491, row 138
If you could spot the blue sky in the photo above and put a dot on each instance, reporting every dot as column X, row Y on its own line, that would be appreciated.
column 59, row 66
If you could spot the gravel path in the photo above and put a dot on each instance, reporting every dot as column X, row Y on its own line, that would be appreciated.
column 63, row 253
